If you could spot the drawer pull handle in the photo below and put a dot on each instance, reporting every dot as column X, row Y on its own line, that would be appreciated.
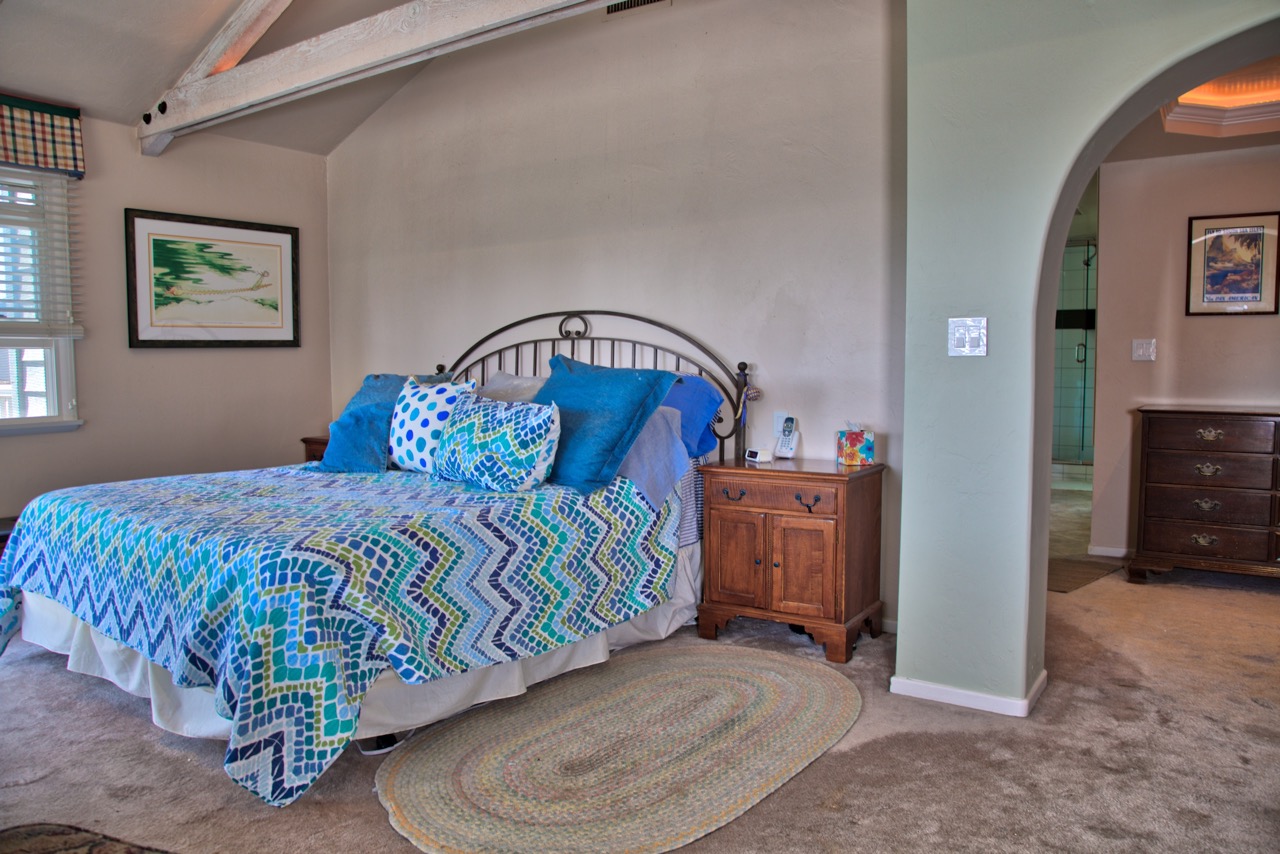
column 1208, row 469
column 1209, row 434
column 1204, row 539
column 808, row 507
column 742, row 493
column 1207, row 504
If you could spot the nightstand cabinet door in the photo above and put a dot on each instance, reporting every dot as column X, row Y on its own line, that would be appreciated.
column 735, row 557
column 803, row 560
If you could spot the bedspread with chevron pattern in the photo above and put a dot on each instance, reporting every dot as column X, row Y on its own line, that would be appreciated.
column 288, row 590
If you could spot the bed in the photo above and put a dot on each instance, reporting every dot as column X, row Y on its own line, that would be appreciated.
column 292, row 610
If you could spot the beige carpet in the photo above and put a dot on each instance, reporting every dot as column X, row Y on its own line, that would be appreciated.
column 1159, row 730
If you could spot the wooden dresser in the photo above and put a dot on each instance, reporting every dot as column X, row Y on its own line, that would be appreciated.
column 1209, row 494
column 795, row 542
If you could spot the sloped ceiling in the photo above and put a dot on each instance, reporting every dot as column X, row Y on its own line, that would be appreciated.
column 114, row 58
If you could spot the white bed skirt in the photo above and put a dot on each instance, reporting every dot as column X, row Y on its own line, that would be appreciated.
column 390, row 705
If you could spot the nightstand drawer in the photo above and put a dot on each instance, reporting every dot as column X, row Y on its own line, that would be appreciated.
column 1206, row 433
column 1238, row 471
column 1194, row 539
column 1218, row 506
column 747, row 493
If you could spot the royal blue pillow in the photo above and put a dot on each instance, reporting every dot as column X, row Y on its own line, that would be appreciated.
column 698, row 401
column 601, row 414
column 358, row 439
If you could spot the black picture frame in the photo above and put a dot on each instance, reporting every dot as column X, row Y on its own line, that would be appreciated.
column 196, row 281
column 1231, row 264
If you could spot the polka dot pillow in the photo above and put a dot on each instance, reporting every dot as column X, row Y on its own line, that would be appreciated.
column 417, row 423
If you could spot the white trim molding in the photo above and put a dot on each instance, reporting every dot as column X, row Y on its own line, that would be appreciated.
column 1011, row 706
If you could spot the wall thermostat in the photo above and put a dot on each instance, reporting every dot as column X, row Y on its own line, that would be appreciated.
column 759, row 455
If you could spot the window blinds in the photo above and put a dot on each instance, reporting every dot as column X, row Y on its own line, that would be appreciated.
column 38, row 297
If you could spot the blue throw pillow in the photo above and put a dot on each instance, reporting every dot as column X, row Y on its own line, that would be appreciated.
column 358, row 439
column 602, row 411
column 698, row 401
column 504, row 446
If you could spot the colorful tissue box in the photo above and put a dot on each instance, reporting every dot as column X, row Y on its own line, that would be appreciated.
column 855, row 447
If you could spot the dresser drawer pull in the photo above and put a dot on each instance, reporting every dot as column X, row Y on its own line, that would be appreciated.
column 1204, row 539
column 1207, row 504
column 1208, row 469
column 808, row 507
column 1209, row 434
column 742, row 493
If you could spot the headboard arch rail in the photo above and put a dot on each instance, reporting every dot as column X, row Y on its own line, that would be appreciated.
column 524, row 347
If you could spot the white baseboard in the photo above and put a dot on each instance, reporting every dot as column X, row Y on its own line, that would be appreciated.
column 1011, row 706
column 890, row 626
column 1105, row 551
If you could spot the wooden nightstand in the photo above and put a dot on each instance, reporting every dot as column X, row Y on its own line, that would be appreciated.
column 796, row 542
column 313, row 447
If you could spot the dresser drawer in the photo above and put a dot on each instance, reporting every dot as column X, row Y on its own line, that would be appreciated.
column 749, row 494
column 1206, row 433
column 1194, row 539
column 1238, row 471
column 1220, row 506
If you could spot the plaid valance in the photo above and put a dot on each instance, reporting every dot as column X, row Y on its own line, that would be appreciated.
column 41, row 136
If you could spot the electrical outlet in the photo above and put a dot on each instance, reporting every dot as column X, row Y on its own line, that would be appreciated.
column 779, row 415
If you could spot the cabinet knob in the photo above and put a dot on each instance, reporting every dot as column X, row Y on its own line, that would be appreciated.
column 1204, row 539
column 1209, row 434
column 742, row 493
column 1207, row 504
column 1208, row 469
column 776, row 564
column 757, row 561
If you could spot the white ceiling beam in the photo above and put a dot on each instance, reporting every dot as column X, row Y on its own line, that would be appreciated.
column 407, row 34
column 236, row 38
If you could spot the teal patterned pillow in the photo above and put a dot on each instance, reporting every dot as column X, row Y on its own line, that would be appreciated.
column 504, row 446
column 418, row 421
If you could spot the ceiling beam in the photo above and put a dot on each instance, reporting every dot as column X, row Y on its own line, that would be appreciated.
column 235, row 39
column 407, row 34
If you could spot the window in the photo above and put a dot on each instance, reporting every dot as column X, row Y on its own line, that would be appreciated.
column 37, row 303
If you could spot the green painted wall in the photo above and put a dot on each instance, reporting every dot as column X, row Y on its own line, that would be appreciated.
column 1011, row 105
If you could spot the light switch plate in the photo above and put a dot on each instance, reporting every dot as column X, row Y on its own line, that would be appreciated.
column 967, row 336
column 1144, row 349
column 779, row 415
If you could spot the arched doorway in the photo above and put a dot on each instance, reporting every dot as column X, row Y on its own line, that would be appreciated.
column 1000, row 102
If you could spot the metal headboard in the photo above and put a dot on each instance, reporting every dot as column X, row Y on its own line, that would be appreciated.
column 573, row 338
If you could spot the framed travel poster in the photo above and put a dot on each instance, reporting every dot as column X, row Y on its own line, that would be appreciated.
column 1231, row 264
column 202, row 282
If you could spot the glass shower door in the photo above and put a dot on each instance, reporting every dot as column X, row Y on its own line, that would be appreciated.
column 1074, row 364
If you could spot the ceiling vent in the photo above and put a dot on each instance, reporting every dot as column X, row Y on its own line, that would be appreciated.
column 631, row 5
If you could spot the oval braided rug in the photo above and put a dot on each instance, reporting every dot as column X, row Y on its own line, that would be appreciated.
column 646, row 752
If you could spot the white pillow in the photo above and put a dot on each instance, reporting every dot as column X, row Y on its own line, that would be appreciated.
column 417, row 423
column 509, row 387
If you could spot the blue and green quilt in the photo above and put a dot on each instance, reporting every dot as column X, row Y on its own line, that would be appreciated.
column 288, row 590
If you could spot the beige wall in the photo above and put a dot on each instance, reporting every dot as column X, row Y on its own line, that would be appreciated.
column 726, row 166
column 1142, row 287
column 166, row 411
